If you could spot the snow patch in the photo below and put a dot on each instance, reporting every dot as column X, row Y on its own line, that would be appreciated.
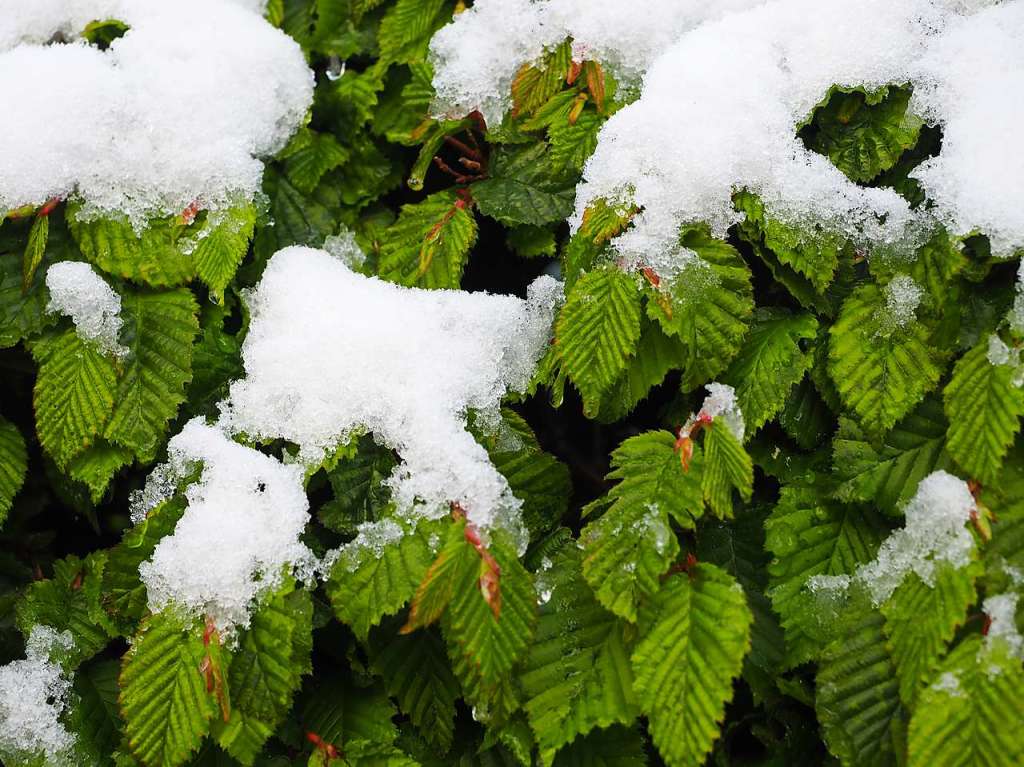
column 79, row 292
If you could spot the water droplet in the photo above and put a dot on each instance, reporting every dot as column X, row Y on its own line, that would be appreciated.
column 335, row 68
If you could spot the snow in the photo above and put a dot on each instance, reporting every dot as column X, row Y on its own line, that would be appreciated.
column 949, row 683
column 934, row 533
column 344, row 247
column 719, row 109
column 331, row 353
column 720, row 402
column 476, row 57
column 902, row 297
column 33, row 695
column 239, row 533
column 1001, row 611
column 79, row 292
column 177, row 111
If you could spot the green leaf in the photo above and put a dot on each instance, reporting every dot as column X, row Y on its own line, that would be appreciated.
column 601, row 222
column 984, row 408
column 612, row 747
column 805, row 416
column 981, row 724
column 814, row 254
column 407, row 27
column 573, row 143
column 377, row 573
column 770, row 363
column 536, row 83
column 222, row 244
column 73, row 396
column 456, row 564
column 417, row 674
column 69, row 601
column 357, row 483
column 35, row 249
column 920, row 621
column 888, row 474
column 864, row 136
column 727, row 467
column 158, row 331
column 597, row 331
column 96, row 720
column 266, row 670
column 532, row 241
column 299, row 219
column 429, row 244
column 96, row 467
column 809, row 536
column 577, row 675
column 309, row 155
column 706, row 307
column 22, row 312
column 540, row 481
column 632, row 544
column 155, row 258
column 13, row 465
column 523, row 188
column 164, row 701
column 934, row 267
column 695, row 633
column 881, row 372
column 341, row 713
column 857, row 699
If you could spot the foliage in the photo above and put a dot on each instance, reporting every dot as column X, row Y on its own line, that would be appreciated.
column 663, row 611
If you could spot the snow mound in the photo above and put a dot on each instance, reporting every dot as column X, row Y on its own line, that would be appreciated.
column 177, row 111
column 77, row 291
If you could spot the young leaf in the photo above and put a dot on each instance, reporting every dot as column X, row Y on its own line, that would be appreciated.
column 706, row 307
column 407, row 27
column 309, row 155
column 522, row 188
column 222, row 244
column 13, row 465
column 429, row 244
column 881, row 372
column 984, row 408
column 978, row 720
column 601, row 222
column 694, row 635
column 22, row 312
column 727, row 467
column 74, row 394
column 96, row 719
column 770, row 363
column 597, row 332
column 920, row 621
column 164, row 699
column 96, row 467
column 35, row 249
column 857, row 699
column 159, row 329
column 576, row 676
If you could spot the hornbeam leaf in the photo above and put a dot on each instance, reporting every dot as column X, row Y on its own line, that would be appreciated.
column 13, row 465
column 694, row 634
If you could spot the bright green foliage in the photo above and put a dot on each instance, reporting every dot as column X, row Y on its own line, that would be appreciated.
column 857, row 697
column 74, row 394
column 920, row 620
column 597, row 331
column 523, row 190
column 706, row 307
column 577, row 675
column 864, row 134
column 984, row 408
column 266, row 670
column 631, row 545
column 888, row 473
column 601, row 222
column 13, row 465
column 407, row 28
column 811, row 536
column 881, row 372
column 613, row 747
column 223, row 243
column 981, row 725
column 694, row 636
column 364, row 586
column 727, row 467
column 22, row 312
column 164, row 699
column 429, row 244
column 769, row 364
column 309, row 156
column 35, row 249
column 158, row 332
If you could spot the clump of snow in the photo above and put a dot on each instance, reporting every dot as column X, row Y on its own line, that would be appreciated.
column 935, row 532
column 330, row 351
column 343, row 246
column 476, row 57
column 1001, row 611
column 949, row 683
column 719, row 110
column 372, row 540
column 902, row 297
column 77, row 291
column 33, row 695
column 964, row 82
column 177, row 111
column 239, row 533
column 720, row 402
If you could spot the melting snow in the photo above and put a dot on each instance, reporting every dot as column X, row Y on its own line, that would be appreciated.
column 77, row 291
